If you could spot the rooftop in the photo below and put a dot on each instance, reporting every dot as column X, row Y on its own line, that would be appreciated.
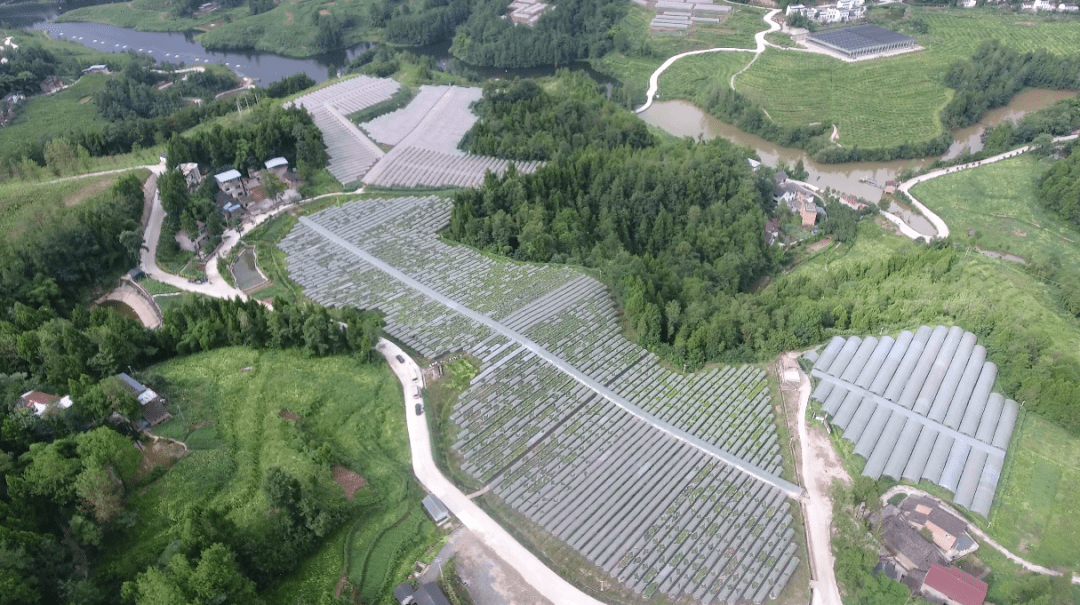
column 901, row 539
column 275, row 162
column 435, row 508
column 947, row 522
column 955, row 584
column 860, row 36
column 135, row 386
column 228, row 175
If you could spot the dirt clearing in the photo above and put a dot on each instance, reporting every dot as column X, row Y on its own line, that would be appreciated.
column 348, row 480
column 287, row 415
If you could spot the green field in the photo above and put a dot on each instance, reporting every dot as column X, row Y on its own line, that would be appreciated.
column 735, row 31
column 886, row 102
column 693, row 79
column 1034, row 513
column 227, row 406
column 290, row 28
column 54, row 115
column 998, row 201
column 25, row 206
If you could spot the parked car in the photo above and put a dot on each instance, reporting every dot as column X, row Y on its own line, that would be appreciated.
column 399, row 358
column 419, row 409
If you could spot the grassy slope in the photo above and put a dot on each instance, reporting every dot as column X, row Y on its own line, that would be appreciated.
column 885, row 102
column 998, row 202
column 25, row 206
column 49, row 116
column 735, row 31
column 289, row 28
column 356, row 409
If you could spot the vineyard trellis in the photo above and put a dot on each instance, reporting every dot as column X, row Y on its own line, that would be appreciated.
column 650, row 509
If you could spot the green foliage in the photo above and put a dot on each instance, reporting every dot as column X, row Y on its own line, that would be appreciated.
column 856, row 553
column 214, row 580
column 521, row 121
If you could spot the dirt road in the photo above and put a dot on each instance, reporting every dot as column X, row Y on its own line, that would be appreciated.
column 820, row 467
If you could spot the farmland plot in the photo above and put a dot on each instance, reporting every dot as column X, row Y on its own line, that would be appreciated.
column 666, row 482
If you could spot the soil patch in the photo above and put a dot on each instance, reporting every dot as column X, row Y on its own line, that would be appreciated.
column 340, row 586
column 90, row 190
column 818, row 245
column 157, row 453
column 85, row 100
column 324, row 12
column 1019, row 233
column 287, row 415
column 289, row 18
column 350, row 482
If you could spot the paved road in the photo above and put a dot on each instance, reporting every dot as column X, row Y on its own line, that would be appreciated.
column 758, row 37
column 817, row 506
column 539, row 576
column 980, row 534
column 788, row 488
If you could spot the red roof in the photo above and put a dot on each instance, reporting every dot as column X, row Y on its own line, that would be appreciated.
column 955, row 584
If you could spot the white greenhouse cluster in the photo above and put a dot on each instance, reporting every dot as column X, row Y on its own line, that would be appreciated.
column 667, row 482
column 921, row 406
column 424, row 134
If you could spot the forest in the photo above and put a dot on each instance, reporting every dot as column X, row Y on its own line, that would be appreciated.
column 578, row 30
column 996, row 73
column 519, row 121
column 1059, row 188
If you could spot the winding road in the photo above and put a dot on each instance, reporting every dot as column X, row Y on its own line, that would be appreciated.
column 761, row 46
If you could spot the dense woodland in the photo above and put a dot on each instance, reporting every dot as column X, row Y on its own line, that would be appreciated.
column 576, row 30
column 996, row 73
column 1059, row 190
column 520, row 121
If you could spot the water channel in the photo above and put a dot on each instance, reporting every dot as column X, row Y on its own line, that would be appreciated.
column 681, row 118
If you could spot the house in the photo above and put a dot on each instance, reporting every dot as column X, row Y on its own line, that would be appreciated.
column 754, row 164
column 953, row 586
column 435, row 508
column 912, row 552
column 152, row 404
column 946, row 529
column 966, row 4
column 279, row 166
column 780, row 177
column 192, row 175
column 426, row 594
column 798, row 34
column 51, row 84
column 96, row 69
column 231, row 182
column 890, row 186
column 851, row 201
column 772, row 231
column 41, row 403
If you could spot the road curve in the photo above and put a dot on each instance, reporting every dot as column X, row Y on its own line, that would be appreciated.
column 539, row 576
column 817, row 505
column 758, row 37
column 789, row 489
column 980, row 534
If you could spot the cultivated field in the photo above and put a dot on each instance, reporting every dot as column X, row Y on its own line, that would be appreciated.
column 885, row 102
column 232, row 402
column 658, row 514
column 998, row 201
column 1035, row 513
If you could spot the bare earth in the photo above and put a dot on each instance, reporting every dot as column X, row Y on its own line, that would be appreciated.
column 348, row 480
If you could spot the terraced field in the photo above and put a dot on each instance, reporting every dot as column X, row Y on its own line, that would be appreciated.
column 666, row 482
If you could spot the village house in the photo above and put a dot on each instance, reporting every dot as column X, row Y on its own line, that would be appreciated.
column 231, row 183
column 851, row 201
column 842, row 11
column 910, row 550
column 96, row 69
column 279, row 166
column 40, row 403
column 947, row 531
column 953, row 586
column 152, row 404
column 192, row 175
column 51, row 84
column 890, row 187
column 799, row 201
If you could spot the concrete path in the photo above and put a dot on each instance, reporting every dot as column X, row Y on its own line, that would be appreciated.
column 758, row 37
column 820, row 467
column 939, row 225
column 980, row 534
column 539, row 576
column 790, row 489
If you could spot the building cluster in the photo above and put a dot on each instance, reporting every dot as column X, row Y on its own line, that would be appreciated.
column 799, row 199
column 152, row 404
column 923, row 539
column 1050, row 6
column 681, row 14
column 527, row 12
column 841, row 12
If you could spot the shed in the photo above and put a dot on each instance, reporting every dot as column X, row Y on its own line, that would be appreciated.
column 435, row 508
column 136, row 274
column 954, row 586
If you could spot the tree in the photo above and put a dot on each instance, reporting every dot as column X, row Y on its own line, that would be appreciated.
column 1043, row 144
column 214, row 580
column 60, row 156
column 272, row 185
column 132, row 241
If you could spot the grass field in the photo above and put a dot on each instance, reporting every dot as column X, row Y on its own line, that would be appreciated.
column 693, row 80
column 227, row 406
column 290, row 28
column 885, row 102
column 1034, row 513
column 735, row 31
column 50, row 116
column 998, row 202
column 25, row 206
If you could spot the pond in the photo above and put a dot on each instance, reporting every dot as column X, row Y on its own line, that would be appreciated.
column 121, row 308
column 245, row 271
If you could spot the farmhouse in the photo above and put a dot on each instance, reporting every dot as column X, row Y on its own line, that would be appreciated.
column 851, row 201
column 912, row 552
column 43, row 403
column 279, row 166
column 799, row 200
column 527, row 12
column 96, row 69
column 890, row 187
column 153, row 405
column 861, row 40
column 842, row 11
column 191, row 173
column 953, row 586
column 230, row 182
column 50, row 85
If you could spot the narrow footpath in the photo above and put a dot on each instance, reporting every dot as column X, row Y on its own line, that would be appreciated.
column 539, row 576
